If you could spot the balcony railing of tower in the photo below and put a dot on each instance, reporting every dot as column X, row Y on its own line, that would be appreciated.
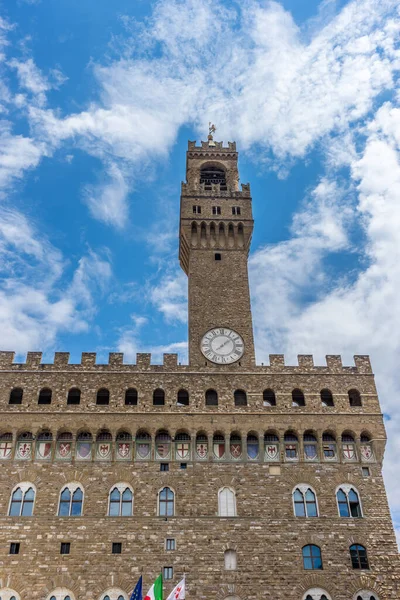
column 305, row 364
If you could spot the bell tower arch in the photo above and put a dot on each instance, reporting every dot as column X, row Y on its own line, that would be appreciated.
column 216, row 225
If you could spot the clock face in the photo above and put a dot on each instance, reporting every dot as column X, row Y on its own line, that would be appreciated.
column 222, row 346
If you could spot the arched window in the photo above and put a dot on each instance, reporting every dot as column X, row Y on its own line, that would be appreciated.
column 22, row 501
column 131, row 397
column 348, row 447
column 163, row 445
column 226, row 503
column 114, row 594
column 64, row 446
column 84, row 443
column 348, row 501
column 103, row 397
column 24, row 446
column 326, row 398
column 211, row 175
column 60, row 594
column 329, row 446
column 271, row 446
column 44, row 444
column 269, row 398
column 182, row 446
column 166, row 503
column 103, row 445
column 291, row 446
column 354, row 398
column 123, row 446
column 16, row 396
column 365, row 595
column 44, row 396
column 143, row 445
column 6, row 445
column 182, row 398
column 235, row 446
column 74, row 396
column 219, row 445
column 158, row 397
column 359, row 558
column 316, row 594
column 211, row 398
column 71, row 501
column 310, row 446
column 298, row 398
column 312, row 558
column 8, row 594
column 121, row 501
column 305, row 501
column 252, row 447
column 240, row 398
column 230, row 560
column 201, row 446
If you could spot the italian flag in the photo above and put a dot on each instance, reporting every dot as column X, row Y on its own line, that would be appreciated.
column 155, row 592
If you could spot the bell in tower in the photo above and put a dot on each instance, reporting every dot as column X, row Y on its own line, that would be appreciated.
column 216, row 225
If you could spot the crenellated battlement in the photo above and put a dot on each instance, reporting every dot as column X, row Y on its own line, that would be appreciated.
column 213, row 147
column 277, row 364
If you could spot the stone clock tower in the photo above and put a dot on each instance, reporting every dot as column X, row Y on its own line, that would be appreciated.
column 216, row 226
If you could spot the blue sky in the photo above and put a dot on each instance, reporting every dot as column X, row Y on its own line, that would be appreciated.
column 98, row 100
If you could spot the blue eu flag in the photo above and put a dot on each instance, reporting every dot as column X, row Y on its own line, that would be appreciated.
column 137, row 592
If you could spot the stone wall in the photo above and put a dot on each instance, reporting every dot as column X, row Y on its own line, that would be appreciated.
column 265, row 534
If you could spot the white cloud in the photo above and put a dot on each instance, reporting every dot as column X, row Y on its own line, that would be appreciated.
column 251, row 72
column 169, row 296
column 17, row 154
column 36, row 303
column 108, row 201
column 32, row 79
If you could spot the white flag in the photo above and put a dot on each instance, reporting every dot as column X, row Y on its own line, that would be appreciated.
column 178, row 593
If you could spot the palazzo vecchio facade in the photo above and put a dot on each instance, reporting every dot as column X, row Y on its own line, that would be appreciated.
column 257, row 482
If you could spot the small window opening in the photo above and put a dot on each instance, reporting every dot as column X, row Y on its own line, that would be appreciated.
column 236, row 210
column 217, row 256
column 14, row 548
column 168, row 573
column 354, row 398
column 170, row 544
column 116, row 547
column 103, row 397
column 16, row 396
column 216, row 210
column 158, row 397
column 74, row 396
column 366, row 472
column 196, row 209
column 164, row 466
column 44, row 396
column 65, row 548
column 182, row 398
column 131, row 397
column 183, row 465
column 298, row 398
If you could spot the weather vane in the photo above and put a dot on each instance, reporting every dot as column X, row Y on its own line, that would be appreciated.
column 211, row 130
